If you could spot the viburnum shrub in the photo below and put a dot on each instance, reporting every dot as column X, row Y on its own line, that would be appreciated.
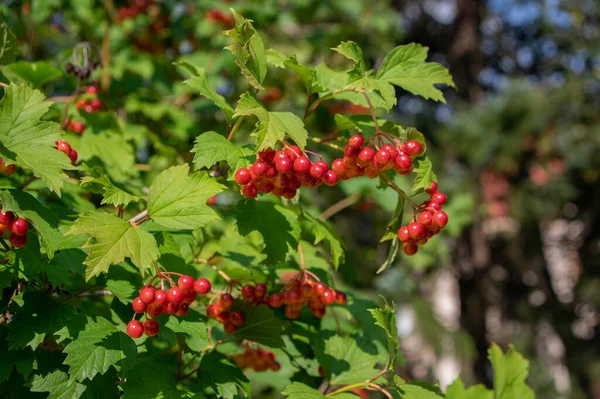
column 147, row 279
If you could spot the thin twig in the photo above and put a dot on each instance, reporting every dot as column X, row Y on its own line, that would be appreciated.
column 4, row 244
column 377, row 129
column 235, row 127
column 4, row 84
column 390, row 183
column 221, row 273
column 301, row 252
column 339, row 206
column 139, row 218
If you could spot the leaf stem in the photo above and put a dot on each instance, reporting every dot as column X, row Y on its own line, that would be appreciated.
column 316, row 103
column 377, row 128
column 235, row 127
column 139, row 218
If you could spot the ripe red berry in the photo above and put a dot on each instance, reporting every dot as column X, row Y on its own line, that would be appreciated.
column 17, row 241
column 433, row 188
column 248, row 291
column 171, row 308
column 226, row 300
column 6, row 217
column 275, row 300
column 340, row 297
column 175, row 295
column 317, row 171
column 425, row 218
column 350, row 151
column 293, row 152
column 302, row 164
column 186, row 283
column 183, row 309
column 410, row 248
column 91, row 90
column 95, row 105
column 19, row 227
column 189, row 296
column 331, row 178
column 80, row 104
column 328, row 297
column 440, row 219
column 413, row 147
column 403, row 234
column 320, row 288
column 260, row 290
column 366, row 155
column 250, row 190
column 338, row 166
column 415, row 230
column 267, row 155
column 160, row 297
column 242, row 176
column 135, row 329
column 147, row 294
column 223, row 317
column 291, row 313
column 439, row 198
column 139, row 306
column 237, row 318
column 403, row 162
column 63, row 147
column 382, row 157
column 284, row 164
column 212, row 311
column 77, row 127
column 356, row 141
column 154, row 310
column 151, row 327
column 259, row 168
column 73, row 156
column 202, row 286
column 230, row 328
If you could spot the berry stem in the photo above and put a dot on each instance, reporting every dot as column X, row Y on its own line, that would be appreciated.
column 235, row 127
column 301, row 252
column 377, row 129
column 390, row 183
column 221, row 273
column 319, row 141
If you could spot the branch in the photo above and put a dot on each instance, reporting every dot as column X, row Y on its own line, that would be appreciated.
column 139, row 218
column 235, row 127
column 340, row 206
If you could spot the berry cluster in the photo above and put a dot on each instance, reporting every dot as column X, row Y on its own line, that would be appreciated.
column 303, row 290
column 283, row 172
column 66, row 149
column 222, row 311
column 7, row 169
column 429, row 222
column 90, row 102
column 154, row 302
column 257, row 359
column 16, row 226
column 135, row 7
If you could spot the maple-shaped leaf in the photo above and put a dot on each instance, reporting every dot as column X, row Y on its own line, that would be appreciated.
column 272, row 126
column 199, row 82
column 222, row 375
column 261, row 325
column 510, row 372
column 57, row 383
column 457, row 390
column 385, row 318
column 33, row 73
column 178, row 201
column 323, row 233
column 98, row 347
column 111, row 194
column 211, row 147
column 405, row 66
column 8, row 43
column 298, row 390
column 150, row 379
column 249, row 51
column 112, row 149
column 112, row 240
column 425, row 175
column 347, row 360
column 28, row 142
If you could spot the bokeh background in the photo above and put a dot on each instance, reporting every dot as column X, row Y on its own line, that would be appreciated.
column 515, row 147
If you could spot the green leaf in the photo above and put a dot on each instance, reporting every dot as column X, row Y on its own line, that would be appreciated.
column 352, row 51
column 114, row 239
column 405, row 66
column 411, row 391
column 8, row 44
column 178, row 201
column 33, row 73
column 221, row 374
column 276, row 58
column 457, row 390
column 260, row 325
column 98, row 347
column 425, row 175
column 322, row 232
column 347, row 360
column 112, row 149
column 211, row 147
column 112, row 194
column 249, row 51
column 278, row 225
column 58, row 385
column 392, row 230
column 385, row 318
column 384, row 91
column 150, row 378
column 297, row 390
column 28, row 142
column 510, row 372
column 392, row 253
column 199, row 81
column 40, row 216
column 272, row 126
column 306, row 74
column 196, row 329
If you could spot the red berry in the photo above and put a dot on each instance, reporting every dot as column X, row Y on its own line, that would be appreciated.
column 425, row 218
column 242, row 176
column 135, row 329
column 267, row 155
column 189, row 296
column 77, row 127
column 147, row 294
column 81, row 103
column 289, row 193
column 403, row 162
column 317, row 171
column 91, row 90
column 439, row 198
column 95, row 104
column 323, row 164
column 340, row 297
column 433, row 188
column 328, row 297
column 302, row 164
column 250, row 190
column 151, row 327
column 331, row 178
column 63, row 147
column 160, row 297
column 202, row 286
column 440, row 219
column 226, row 300
column 17, row 241
column 416, row 230
column 410, row 248
column 413, row 147
column 259, row 168
column 171, row 308
column 183, row 309
column 175, row 295
column 139, row 306
column 320, row 288
column 212, row 311
column 237, row 318
column 382, row 157
column 293, row 152
column 350, row 151
column 260, row 290
column 223, row 317
column 186, row 283
column 230, row 328
column 275, row 300
column 6, row 217
column 248, row 291
column 284, row 165
column 356, row 141
column 19, row 227
column 403, row 234
column 73, row 156
column 291, row 313
column 366, row 155
column 154, row 310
